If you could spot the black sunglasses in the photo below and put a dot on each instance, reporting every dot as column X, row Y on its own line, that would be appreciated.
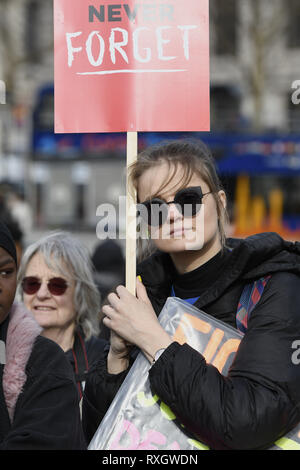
column 188, row 201
column 56, row 286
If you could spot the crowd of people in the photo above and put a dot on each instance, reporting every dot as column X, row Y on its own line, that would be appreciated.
column 70, row 330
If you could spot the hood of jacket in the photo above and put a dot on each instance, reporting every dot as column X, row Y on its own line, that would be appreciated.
column 22, row 331
column 251, row 258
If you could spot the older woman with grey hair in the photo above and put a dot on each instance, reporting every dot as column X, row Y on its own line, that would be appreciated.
column 56, row 284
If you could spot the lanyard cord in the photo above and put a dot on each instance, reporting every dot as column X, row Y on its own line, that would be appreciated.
column 80, row 361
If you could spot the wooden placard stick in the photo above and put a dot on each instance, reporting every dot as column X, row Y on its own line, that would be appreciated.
column 131, row 156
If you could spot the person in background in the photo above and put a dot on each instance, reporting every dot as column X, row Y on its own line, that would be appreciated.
column 109, row 271
column 21, row 211
column 13, row 225
column 56, row 284
column 109, row 263
column 38, row 397
column 184, row 206
column 17, row 234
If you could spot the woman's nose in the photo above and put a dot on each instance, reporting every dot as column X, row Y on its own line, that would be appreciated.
column 174, row 212
column 43, row 291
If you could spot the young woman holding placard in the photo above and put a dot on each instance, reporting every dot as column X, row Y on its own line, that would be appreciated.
column 258, row 401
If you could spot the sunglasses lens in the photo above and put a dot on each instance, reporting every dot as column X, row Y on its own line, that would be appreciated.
column 189, row 202
column 57, row 286
column 30, row 285
column 154, row 212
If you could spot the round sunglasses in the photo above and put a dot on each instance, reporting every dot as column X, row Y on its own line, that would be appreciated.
column 56, row 285
column 188, row 201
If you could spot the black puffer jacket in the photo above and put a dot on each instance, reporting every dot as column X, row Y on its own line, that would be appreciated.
column 259, row 400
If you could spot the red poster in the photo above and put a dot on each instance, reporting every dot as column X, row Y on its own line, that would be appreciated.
column 141, row 65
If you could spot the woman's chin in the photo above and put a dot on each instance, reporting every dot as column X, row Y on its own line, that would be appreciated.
column 42, row 319
column 172, row 245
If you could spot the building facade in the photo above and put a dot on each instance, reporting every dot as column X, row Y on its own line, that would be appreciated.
column 255, row 49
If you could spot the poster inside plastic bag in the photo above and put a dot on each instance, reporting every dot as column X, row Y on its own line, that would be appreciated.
column 139, row 420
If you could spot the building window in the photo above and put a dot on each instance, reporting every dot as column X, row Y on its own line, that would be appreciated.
column 225, row 109
column 39, row 33
column 32, row 43
column 224, row 23
column 294, row 113
column 293, row 30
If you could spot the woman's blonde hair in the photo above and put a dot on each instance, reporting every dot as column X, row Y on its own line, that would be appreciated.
column 194, row 157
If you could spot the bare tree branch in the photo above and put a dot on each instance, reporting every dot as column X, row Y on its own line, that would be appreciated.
column 260, row 25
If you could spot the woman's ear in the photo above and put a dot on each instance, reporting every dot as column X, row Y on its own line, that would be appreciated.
column 222, row 197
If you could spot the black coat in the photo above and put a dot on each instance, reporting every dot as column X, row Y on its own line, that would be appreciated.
column 47, row 411
column 41, row 403
column 259, row 400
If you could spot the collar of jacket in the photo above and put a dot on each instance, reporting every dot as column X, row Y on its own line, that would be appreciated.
column 251, row 258
column 21, row 334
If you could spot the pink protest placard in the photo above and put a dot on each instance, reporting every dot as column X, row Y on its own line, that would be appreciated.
column 142, row 65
